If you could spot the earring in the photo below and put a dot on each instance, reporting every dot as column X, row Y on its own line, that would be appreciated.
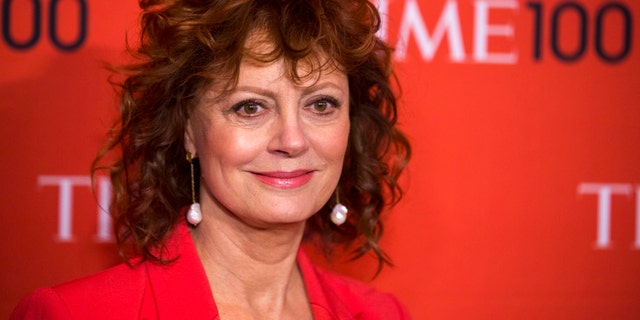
column 194, row 216
column 339, row 212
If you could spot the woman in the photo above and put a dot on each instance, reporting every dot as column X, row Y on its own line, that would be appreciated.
column 285, row 115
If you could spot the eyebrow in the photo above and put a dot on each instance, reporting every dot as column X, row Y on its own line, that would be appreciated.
column 268, row 93
column 320, row 86
column 253, row 89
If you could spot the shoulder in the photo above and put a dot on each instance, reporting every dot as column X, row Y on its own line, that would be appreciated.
column 365, row 301
column 113, row 293
column 42, row 303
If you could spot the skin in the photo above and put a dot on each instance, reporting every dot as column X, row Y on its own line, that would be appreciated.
column 271, row 152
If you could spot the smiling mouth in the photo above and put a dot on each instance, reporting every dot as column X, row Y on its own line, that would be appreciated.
column 285, row 179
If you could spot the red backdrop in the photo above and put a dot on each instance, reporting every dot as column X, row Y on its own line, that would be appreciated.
column 523, row 195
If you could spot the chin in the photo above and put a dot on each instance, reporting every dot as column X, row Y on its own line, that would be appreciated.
column 290, row 215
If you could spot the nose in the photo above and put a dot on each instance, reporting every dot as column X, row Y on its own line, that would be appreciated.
column 289, row 138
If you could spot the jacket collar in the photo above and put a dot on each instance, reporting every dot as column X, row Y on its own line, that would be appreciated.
column 180, row 288
column 326, row 301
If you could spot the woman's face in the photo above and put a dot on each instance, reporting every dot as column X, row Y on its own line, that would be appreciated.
column 271, row 150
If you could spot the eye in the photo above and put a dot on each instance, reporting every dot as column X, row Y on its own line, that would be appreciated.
column 247, row 108
column 321, row 106
column 324, row 105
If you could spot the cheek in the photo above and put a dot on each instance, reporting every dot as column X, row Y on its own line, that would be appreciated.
column 229, row 147
column 332, row 144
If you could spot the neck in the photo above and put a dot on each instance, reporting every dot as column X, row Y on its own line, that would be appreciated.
column 251, row 271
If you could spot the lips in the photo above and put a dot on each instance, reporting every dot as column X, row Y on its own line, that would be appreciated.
column 285, row 179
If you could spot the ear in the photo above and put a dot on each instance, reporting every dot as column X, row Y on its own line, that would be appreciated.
column 189, row 141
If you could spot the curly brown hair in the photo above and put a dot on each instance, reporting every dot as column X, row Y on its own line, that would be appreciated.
column 186, row 46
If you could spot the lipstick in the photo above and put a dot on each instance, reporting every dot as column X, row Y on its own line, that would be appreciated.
column 285, row 179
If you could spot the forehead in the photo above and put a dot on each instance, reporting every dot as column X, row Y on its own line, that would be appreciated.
column 278, row 75
column 264, row 74
column 261, row 50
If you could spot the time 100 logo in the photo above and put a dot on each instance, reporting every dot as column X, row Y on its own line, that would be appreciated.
column 609, row 10
column 13, row 41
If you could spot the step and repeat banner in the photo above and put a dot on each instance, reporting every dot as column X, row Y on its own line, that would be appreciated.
column 523, row 193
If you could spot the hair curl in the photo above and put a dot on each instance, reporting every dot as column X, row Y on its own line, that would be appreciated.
column 186, row 45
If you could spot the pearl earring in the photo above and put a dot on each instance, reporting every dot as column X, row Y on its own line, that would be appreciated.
column 194, row 216
column 339, row 212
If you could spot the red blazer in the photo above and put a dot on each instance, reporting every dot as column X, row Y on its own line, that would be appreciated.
column 180, row 290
